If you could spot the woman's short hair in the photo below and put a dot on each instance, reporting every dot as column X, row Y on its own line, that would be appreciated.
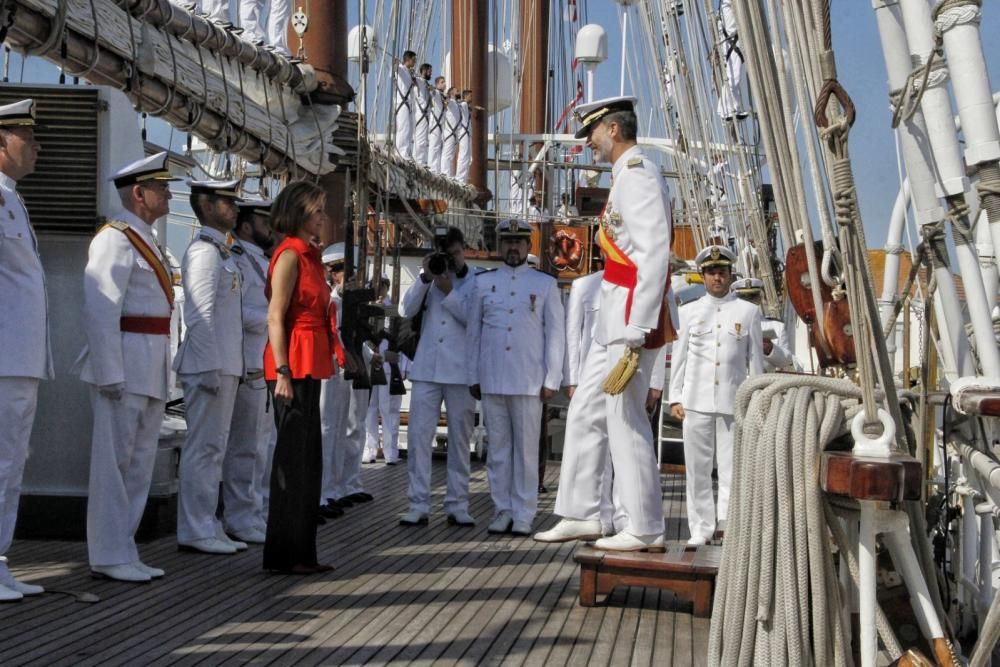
column 294, row 204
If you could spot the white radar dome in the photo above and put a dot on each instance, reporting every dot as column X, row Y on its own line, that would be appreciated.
column 354, row 43
column 592, row 44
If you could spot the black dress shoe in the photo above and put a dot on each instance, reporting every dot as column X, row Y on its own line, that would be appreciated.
column 542, row 489
column 342, row 503
column 330, row 512
column 361, row 497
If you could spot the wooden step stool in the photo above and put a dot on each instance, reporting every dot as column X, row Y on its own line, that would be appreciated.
column 688, row 572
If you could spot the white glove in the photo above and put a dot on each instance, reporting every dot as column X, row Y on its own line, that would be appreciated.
column 112, row 391
column 634, row 336
column 209, row 381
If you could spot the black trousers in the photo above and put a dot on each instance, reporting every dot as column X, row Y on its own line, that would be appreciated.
column 296, row 477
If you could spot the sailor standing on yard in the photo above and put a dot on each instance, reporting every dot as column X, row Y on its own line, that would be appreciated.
column 421, row 113
column 128, row 299
column 450, row 133
column 246, row 452
column 516, row 352
column 632, row 317
column 435, row 125
column 719, row 347
column 209, row 365
column 404, row 101
column 24, row 327
column 464, row 137
column 729, row 99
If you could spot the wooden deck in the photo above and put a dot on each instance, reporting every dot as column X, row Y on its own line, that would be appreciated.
column 440, row 594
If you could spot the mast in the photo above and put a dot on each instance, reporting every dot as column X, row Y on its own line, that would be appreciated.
column 534, row 33
column 468, row 71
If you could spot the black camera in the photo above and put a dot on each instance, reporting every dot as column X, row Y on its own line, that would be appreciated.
column 441, row 261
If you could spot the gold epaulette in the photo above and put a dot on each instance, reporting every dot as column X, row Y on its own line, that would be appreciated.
column 634, row 162
column 116, row 224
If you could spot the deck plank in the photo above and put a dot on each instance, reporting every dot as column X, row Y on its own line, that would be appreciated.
column 434, row 595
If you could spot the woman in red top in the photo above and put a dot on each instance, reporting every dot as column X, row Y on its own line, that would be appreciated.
column 298, row 355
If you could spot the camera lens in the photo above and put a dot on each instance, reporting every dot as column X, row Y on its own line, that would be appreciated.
column 438, row 263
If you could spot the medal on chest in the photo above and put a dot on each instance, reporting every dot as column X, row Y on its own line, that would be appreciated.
column 738, row 326
column 610, row 222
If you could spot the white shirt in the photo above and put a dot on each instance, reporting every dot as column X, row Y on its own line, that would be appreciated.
column 581, row 319
column 452, row 119
column 638, row 217
column 516, row 332
column 567, row 211
column 436, row 114
column 421, row 100
column 119, row 282
column 465, row 118
column 24, row 326
column 781, row 352
column 718, row 347
column 441, row 353
column 253, row 268
column 404, row 82
column 213, row 340
column 727, row 17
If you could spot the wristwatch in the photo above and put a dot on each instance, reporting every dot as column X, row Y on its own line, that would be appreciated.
column 285, row 370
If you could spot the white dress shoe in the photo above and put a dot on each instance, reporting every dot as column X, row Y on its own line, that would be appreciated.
column 413, row 518
column 7, row 580
column 127, row 572
column 568, row 530
column 251, row 536
column 151, row 572
column 461, row 518
column 500, row 524
column 9, row 594
column 208, row 545
column 236, row 544
column 521, row 528
column 697, row 540
column 626, row 541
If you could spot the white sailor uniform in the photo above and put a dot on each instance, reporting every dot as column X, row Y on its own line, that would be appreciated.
column 450, row 132
column 516, row 347
column 209, row 365
column 718, row 347
column 437, row 375
column 403, row 99
column 637, row 221
column 464, row 143
column 335, row 402
column 246, row 450
column 729, row 100
column 781, row 356
column 127, row 325
column 385, row 405
column 421, row 99
column 435, row 130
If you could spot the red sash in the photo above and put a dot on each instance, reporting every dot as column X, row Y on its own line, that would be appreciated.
column 147, row 254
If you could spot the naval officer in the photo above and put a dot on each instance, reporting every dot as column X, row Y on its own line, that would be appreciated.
column 128, row 299
column 777, row 352
column 24, row 327
column 209, row 365
column 719, row 346
column 633, row 313
column 517, row 342
column 246, row 452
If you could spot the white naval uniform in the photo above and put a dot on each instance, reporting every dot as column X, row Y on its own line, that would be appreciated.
column 421, row 118
column 246, row 451
column 438, row 375
column 450, row 130
column 275, row 32
column 212, row 348
column 522, row 187
column 385, row 405
column 638, row 214
column 729, row 99
column 403, row 99
column 435, row 130
column 217, row 10
column 516, row 347
column 719, row 345
column 334, row 402
column 464, row 143
column 781, row 356
column 24, row 339
column 119, row 282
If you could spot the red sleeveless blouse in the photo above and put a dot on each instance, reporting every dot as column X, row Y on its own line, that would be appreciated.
column 307, row 326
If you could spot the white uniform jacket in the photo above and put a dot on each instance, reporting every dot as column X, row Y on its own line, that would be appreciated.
column 119, row 282
column 452, row 126
column 213, row 339
column 581, row 318
column 781, row 353
column 637, row 216
column 718, row 347
column 253, row 268
column 404, row 85
column 435, row 115
column 24, row 327
column 421, row 101
column 517, row 332
column 442, row 351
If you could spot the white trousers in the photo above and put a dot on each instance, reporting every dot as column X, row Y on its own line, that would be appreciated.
column 433, row 161
column 729, row 99
column 404, row 129
column 598, row 422
column 464, row 158
column 217, row 10
column 208, row 419
column 386, row 406
column 262, row 470
column 349, row 447
column 122, row 456
column 613, row 517
column 448, row 146
column 514, row 424
column 420, row 135
column 241, row 466
column 18, row 400
column 707, row 436
column 275, row 32
column 334, row 404
column 425, row 409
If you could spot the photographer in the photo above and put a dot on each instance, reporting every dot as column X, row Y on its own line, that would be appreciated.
column 438, row 373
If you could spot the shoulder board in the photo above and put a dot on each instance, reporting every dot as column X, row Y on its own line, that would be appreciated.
column 223, row 250
column 117, row 224
column 482, row 271
column 634, row 162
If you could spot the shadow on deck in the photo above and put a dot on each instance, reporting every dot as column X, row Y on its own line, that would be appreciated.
column 438, row 594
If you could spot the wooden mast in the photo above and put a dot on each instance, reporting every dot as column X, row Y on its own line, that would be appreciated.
column 468, row 71
column 534, row 32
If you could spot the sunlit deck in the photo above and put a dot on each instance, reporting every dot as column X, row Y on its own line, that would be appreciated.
column 440, row 594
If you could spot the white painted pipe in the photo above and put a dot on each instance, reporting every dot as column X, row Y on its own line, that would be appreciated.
column 868, row 642
column 986, row 531
column 898, row 542
column 986, row 252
